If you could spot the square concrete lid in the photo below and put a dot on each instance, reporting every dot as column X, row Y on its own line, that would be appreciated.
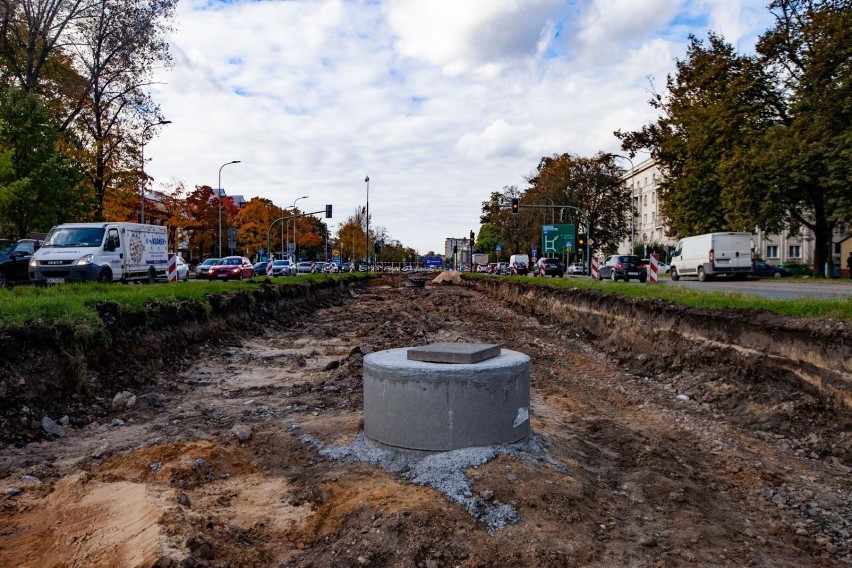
column 454, row 352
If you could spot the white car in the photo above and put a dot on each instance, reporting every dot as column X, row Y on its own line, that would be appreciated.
column 182, row 270
column 577, row 268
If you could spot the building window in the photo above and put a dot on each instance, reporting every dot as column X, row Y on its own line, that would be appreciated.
column 645, row 219
column 795, row 251
column 771, row 251
column 653, row 217
column 644, row 200
column 654, row 197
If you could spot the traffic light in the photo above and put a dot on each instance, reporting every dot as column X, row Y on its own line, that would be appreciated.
column 472, row 239
column 328, row 211
column 581, row 240
column 516, row 205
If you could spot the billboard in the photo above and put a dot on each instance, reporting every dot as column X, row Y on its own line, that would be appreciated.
column 557, row 239
column 430, row 261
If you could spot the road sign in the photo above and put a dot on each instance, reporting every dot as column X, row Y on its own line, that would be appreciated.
column 498, row 247
column 557, row 238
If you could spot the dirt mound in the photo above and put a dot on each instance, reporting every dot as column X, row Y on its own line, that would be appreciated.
column 448, row 278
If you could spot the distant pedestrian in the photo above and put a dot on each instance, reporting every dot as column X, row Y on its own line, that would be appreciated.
column 849, row 264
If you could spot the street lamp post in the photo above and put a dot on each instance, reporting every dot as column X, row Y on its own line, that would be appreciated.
column 294, row 224
column 632, row 209
column 367, row 233
column 142, row 192
column 219, row 189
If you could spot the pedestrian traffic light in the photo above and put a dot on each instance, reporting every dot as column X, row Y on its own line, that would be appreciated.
column 328, row 211
column 516, row 205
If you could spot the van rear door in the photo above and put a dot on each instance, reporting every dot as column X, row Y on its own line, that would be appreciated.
column 732, row 251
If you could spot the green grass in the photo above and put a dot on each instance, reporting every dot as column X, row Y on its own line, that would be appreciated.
column 75, row 303
column 840, row 308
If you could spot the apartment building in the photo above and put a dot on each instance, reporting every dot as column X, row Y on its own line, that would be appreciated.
column 648, row 226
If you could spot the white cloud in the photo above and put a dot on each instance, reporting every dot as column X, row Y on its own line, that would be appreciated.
column 440, row 102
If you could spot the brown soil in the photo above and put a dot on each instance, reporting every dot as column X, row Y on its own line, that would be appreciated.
column 745, row 472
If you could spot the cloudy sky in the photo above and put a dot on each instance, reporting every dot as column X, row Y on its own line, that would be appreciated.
column 439, row 102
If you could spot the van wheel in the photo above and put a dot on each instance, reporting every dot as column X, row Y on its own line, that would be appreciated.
column 105, row 276
column 4, row 282
column 701, row 276
column 642, row 279
column 673, row 274
column 152, row 275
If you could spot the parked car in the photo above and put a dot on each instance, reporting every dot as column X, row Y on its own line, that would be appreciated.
column 204, row 269
column 549, row 267
column 303, row 267
column 283, row 268
column 797, row 268
column 623, row 267
column 577, row 269
column 502, row 268
column 232, row 268
column 260, row 269
column 662, row 267
column 761, row 269
column 14, row 261
column 346, row 267
column 182, row 270
column 520, row 268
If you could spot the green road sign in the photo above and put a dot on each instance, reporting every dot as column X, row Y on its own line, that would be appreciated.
column 558, row 238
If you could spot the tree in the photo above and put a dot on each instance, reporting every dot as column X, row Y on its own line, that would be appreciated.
column 117, row 43
column 591, row 184
column 760, row 141
column 253, row 224
column 714, row 103
column 38, row 181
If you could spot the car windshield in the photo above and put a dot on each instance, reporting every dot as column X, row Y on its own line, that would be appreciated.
column 232, row 261
column 75, row 237
column 6, row 249
column 210, row 262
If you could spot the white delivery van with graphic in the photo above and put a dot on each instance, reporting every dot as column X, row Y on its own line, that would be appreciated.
column 104, row 252
column 706, row 256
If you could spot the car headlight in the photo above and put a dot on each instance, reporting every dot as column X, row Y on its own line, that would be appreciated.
column 85, row 260
column 33, row 262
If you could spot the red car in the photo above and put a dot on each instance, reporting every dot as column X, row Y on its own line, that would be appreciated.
column 232, row 268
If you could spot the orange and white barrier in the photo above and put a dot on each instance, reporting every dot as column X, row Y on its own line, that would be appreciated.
column 595, row 275
column 269, row 267
column 655, row 267
column 313, row 268
column 172, row 271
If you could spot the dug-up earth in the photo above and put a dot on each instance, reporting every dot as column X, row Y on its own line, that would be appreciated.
column 251, row 454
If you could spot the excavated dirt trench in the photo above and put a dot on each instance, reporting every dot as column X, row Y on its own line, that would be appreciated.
column 649, row 448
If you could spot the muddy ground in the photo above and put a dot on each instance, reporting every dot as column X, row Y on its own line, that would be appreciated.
column 224, row 461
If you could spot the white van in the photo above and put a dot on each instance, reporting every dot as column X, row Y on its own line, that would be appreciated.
column 525, row 258
column 105, row 252
column 705, row 256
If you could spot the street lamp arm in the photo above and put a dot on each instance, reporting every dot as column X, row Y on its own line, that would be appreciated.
column 219, row 200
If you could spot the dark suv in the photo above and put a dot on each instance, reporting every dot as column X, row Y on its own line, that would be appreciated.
column 15, row 260
column 549, row 267
column 624, row 267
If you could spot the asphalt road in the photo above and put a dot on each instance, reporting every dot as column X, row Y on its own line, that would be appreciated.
column 780, row 289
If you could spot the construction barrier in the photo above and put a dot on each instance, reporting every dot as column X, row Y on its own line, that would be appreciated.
column 655, row 266
column 313, row 268
column 269, row 267
column 173, row 277
column 595, row 268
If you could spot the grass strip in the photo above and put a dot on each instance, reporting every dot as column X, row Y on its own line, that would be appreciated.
column 75, row 303
column 839, row 308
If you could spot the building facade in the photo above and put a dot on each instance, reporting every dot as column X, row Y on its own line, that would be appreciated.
column 648, row 226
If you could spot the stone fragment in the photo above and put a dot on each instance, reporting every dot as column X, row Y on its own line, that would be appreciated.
column 123, row 400
column 242, row 432
column 52, row 428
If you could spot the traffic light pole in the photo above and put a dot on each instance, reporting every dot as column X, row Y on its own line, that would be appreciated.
column 516, row 205
column 327, row 212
